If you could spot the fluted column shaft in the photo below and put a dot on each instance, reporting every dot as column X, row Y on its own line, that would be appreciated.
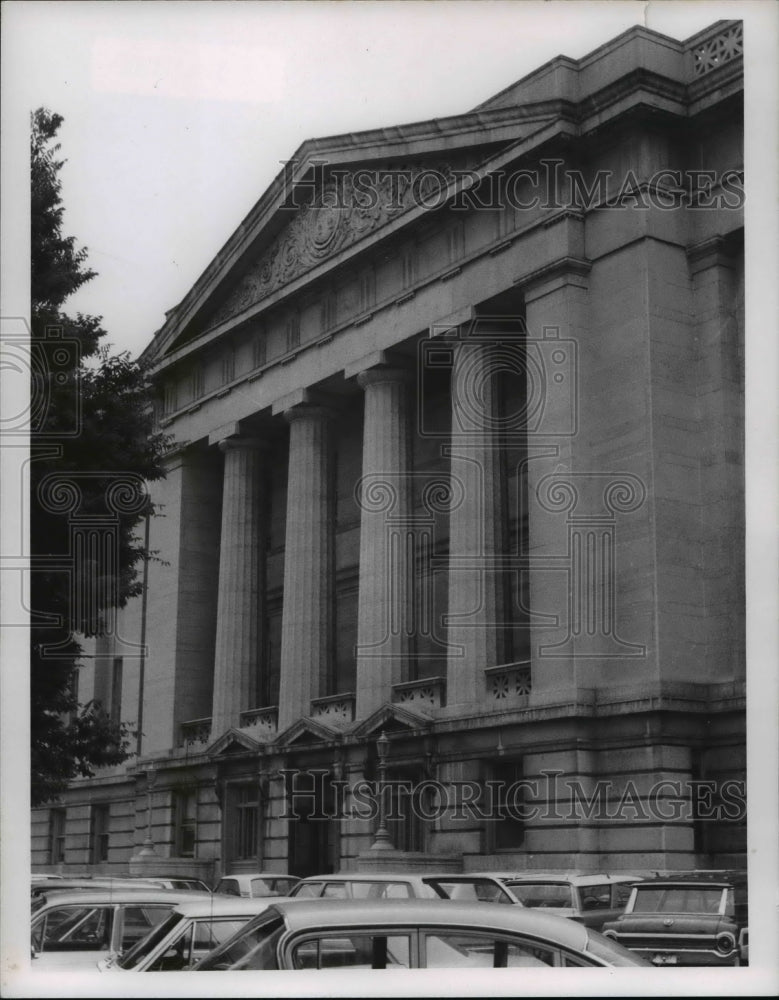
column 477, row 592
column 385, row 588
column 307, row 614
column 241, row 584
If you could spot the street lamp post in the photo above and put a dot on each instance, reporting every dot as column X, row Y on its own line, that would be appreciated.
column 148, row 845
column 382, row 841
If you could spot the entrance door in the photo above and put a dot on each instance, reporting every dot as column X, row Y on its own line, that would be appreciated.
column 312, row 830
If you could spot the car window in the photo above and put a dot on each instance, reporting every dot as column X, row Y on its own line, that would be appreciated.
column 77, row 928
column 282, row 885
column 595, row 897
column 308, row 889
column 262, row 887
column 146, row 945
column 228, row 887
column 482, row 950
column 622, row 891
column 542, row 894
column 678, row 899
column 253, row 947
column 381, row 890
column 336, row 890
column 354, row 951
column 478, row 890
column 195, row 942
column 138, row 921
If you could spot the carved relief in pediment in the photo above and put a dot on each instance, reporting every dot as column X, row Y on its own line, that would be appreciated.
column 345, row 208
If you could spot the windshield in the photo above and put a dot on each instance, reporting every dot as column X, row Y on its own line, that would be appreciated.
column 254, row 947
column 542, row 894
column 476, row 889
column 678, row 899
column 140, row 950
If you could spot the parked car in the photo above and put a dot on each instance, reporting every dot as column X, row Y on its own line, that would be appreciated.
column 351, row 885
column 181, row 882
column 408, row 934
column 187, row 934
column 591, row 899
column 256, row 885
column 76, row 929
column 693, row 919
column 43, row 888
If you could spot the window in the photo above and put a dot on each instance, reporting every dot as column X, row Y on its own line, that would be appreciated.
column 456, row 241
column 98, row 833
column 353, row 951
column 197, row 380
column 367, row 290
column 622, row 891
column 259, row 350
column 138, row 921
column 247, row 815
column 228, row 366
column 404, row 824
column 170, row 397
column 546, row 895
column 57, row 819
column 408, row 266
column 293, row 331
column 116, row 691
column 75, row 928
column 228, row 887
column 186, row 823
column 508, row 828
column 475, row 950
column 595, row 897
column 329, row 312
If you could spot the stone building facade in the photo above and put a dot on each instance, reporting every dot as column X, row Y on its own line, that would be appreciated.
column 454, row 503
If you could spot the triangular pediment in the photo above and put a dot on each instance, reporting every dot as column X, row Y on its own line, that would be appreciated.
column 232, row 742
column 332, row 195
column 306, row 731
column 391, row 719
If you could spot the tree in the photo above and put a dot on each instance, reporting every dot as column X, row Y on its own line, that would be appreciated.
column 93, row 447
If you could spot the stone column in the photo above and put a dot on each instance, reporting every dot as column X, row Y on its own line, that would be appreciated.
column 307, row 615
column 385, row 588
column 241, row 585
column 477, row 593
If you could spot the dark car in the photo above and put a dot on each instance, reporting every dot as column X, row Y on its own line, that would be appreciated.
column 694, row 919
column 345, row 934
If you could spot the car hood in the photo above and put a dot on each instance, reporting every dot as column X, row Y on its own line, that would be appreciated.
column 669, row 923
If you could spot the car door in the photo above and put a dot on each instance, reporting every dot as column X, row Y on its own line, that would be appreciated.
column 73, row 935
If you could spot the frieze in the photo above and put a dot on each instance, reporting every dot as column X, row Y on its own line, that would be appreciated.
column 345, row 208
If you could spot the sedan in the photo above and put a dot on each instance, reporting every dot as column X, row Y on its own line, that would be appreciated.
column 410, row 934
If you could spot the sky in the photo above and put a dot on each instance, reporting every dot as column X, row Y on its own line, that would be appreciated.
column 179, row 114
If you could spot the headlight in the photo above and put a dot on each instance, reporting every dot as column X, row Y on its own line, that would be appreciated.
column 726, row 942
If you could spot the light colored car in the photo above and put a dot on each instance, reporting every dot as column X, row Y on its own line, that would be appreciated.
column 587, row 897
column 256, row 885
column 409, row 934
column 76, row 929
column 187, row 934
column 351, row 885
column 181, row 882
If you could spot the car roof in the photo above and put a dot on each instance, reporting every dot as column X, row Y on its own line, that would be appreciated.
column 88, row 897
column 575, row 878
column 220, row 906
column 686, row 880
column 251, row 875
column 301, row 914
column 382, row 876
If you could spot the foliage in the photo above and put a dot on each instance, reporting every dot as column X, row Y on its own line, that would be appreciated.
column 91, row 428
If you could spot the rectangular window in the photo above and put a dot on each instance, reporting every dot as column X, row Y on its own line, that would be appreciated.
column 408, row 266
column 259, row 351
column 508, row 827
column 116, row 690
column 98, row 833
column 57, row 819
column 293, row 331
column 186, row 823
column 247, row 809
column 228, row 366
column 198, row 381
column 171, row 397
column 367, row 290
column 456, row 241
column 329, row 312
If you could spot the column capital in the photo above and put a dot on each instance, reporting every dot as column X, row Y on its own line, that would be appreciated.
column 380, row 374
column 308, row 411
column 239, row 443
column 376, row 359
